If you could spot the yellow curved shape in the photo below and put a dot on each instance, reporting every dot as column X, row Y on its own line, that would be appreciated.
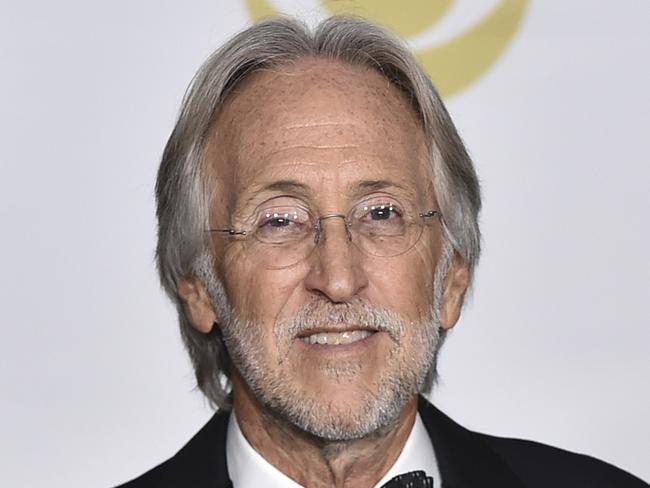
column 462, row 60
column 260, row 9
column 453, row 65
column 408, row 17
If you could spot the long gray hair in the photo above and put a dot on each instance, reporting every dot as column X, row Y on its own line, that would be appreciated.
column 182, row 191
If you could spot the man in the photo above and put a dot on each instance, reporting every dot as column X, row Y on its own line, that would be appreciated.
column 318, row 232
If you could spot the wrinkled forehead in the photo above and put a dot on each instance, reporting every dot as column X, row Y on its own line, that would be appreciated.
column 306, row 110
column 316, row 93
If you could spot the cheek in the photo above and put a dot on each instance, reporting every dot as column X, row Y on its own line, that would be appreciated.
column 258, row 294
column 404, row 284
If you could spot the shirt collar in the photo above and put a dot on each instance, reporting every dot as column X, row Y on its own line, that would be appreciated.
column 417, row 455
column 247, row 468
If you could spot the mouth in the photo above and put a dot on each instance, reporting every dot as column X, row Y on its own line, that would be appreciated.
column 335, row 337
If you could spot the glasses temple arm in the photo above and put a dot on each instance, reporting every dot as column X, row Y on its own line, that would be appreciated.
column 231, row 232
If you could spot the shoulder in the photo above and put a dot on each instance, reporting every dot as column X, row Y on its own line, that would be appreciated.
column 155, row 477
column 468, row 458
column 540, row 465
column 200, row 463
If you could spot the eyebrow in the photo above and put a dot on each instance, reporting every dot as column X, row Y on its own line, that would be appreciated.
column 289, row 186
column 368, row 186
column 293, row 187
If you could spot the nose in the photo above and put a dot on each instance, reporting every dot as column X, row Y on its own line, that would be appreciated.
column 336, row 268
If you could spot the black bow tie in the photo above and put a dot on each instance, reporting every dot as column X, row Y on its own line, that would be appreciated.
column 414, row 479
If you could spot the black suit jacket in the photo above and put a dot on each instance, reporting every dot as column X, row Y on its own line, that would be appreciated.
column 466, row 459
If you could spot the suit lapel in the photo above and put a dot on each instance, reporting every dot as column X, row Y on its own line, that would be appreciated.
column 464, row 460
column 202, row 462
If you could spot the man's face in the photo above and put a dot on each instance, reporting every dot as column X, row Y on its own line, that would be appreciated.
column 327, row 136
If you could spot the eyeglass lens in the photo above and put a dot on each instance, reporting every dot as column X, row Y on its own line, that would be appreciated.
column 285, row 232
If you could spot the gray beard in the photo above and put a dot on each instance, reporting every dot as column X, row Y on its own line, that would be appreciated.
column 407, row 368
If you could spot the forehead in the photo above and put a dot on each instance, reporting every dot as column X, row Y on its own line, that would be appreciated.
column 317, row 121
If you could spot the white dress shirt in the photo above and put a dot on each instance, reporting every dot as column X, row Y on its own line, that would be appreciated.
column 248, row 469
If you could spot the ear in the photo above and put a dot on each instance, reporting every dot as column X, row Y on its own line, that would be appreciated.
column 456, row 284
column 197, row 304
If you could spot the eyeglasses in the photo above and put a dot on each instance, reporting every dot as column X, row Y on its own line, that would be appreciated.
column 282, row 232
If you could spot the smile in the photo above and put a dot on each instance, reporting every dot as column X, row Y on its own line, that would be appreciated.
column 336, row 338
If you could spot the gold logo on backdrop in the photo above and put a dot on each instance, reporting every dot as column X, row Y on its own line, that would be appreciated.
column 452, row 65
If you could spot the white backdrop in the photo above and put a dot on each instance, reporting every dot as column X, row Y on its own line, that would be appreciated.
column 95, row 387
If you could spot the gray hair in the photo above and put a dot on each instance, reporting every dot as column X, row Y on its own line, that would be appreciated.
column 182, row 191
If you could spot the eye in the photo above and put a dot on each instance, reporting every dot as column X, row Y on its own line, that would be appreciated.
column 379, row 211
column 379, row 219
column 281, row 218
column 281, row 224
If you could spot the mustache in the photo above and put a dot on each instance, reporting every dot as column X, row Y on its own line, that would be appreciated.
column 320, row 313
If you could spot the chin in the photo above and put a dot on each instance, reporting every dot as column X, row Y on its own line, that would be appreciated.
column 339, row 412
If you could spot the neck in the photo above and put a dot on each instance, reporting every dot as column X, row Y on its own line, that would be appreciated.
column 315, row 462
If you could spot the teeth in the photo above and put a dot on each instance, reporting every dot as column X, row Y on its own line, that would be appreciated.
column 336, row 338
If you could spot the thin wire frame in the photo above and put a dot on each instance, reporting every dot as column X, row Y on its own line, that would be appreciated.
column 281, row 256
